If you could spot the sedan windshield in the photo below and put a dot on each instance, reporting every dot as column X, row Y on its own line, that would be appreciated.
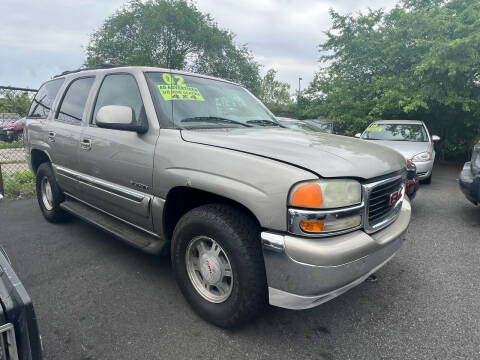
column 396, row 132
column 186, row 101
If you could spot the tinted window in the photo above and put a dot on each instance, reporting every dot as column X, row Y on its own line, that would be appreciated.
column 73, row 103
column 43, row 101
column 119, row 89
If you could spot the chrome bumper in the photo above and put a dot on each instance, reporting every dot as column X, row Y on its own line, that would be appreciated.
column 306, row 272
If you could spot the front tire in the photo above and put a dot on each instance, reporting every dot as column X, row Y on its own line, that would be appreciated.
column 49, row 195
column 218, row 264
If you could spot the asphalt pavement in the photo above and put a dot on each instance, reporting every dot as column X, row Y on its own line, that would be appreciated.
column 97, row 298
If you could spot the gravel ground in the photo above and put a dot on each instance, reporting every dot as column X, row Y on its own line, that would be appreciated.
column 97, row 298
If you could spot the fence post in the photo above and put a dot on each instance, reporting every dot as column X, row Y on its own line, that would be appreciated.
column 2, row 192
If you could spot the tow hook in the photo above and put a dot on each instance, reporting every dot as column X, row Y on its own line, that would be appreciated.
column 371, row 279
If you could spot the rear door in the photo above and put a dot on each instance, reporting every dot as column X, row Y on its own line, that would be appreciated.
column 117, row 165
column 63, row 132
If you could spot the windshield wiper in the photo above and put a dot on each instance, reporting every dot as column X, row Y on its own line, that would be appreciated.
column 264, row 123
column 213, row 119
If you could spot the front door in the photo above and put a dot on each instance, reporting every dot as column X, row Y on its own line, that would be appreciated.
column 117, row 165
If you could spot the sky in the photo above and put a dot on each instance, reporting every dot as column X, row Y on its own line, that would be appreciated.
column 42, row 38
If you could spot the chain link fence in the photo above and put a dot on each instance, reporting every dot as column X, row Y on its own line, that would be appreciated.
column 15, row 177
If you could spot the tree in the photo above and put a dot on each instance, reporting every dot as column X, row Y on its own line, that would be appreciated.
column 273, row 91
column 419, row 60
column 14, row 102
column 172, row 34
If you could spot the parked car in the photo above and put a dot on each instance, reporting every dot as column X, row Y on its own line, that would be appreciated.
column 12, row 131
column 412, row 183
column 19, row 336
column 470, row 177
column 252, row 212
column 295, row 124
column 328, row 126
column 409, row 137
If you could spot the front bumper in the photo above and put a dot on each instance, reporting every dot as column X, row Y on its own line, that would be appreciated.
column 306, row 272
column 424, row 169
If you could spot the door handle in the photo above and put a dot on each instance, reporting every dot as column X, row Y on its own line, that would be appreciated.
column 86, row 144
column 51, row 136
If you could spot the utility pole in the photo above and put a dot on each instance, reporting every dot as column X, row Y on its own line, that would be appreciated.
column 299, row 88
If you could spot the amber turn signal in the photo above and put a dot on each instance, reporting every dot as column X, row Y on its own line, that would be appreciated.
column 307, row 195
column 312, row 225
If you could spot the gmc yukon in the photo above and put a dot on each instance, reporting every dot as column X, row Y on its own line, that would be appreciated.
column 251, row 212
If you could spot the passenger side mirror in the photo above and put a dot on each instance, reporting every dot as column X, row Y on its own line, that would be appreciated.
column 118, row 117
column 357, row 135
column 435, row 137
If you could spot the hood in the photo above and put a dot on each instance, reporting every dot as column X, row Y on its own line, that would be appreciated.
column 407, row 148
column 324, row 154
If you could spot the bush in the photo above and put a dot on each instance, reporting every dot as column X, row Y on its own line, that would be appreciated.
column 11, row 145
column 19, row 184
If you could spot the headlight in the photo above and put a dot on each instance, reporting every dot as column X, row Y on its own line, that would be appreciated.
column 326, row 194
column 333, row 206
column 424, row 156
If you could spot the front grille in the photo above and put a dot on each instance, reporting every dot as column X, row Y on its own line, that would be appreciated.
column 379, row 200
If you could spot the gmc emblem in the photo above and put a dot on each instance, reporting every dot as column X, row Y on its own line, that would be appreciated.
column 394, row 197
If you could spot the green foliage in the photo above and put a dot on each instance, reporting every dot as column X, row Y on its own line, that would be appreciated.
column 14, row 102
column 11, row 145
column 272, row 92
column 418, row 61
column 19, row 184
column 172, row 34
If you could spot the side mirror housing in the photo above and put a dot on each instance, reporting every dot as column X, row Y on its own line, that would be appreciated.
column 357, row 135
column 435, row 137
column 119, row 117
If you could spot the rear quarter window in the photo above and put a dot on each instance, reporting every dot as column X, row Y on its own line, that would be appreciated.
column 42, row 102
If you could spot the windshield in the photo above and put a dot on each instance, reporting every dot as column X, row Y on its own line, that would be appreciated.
column 396, row 132
column 186, row 101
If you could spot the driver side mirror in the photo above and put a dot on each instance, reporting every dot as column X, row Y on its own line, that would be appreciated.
column 119, row 117
column 435, row 138
column 357, row 135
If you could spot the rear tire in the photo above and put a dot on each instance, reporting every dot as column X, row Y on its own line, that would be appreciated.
column 49, row 195
column 218, row 264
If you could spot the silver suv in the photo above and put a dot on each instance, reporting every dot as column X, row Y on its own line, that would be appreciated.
column 251, row 212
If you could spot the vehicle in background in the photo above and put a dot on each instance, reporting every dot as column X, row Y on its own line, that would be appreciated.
column 19, row 336
column 301, row 125
column 470, row 177
column 250, row 211
column 412, row 183
column 12, row 131
column 328, row 126
column 411, row 138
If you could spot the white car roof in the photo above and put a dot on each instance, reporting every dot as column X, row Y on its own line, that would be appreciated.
column 398, row 122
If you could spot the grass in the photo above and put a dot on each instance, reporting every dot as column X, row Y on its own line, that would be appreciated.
column 11, row 145
column 19, row 184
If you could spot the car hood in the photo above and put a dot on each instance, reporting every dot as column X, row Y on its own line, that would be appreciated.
column 324, row 154
column 407, row 148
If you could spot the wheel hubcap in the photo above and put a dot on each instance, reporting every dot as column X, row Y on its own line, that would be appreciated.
column 47, row 197
column 209, row 269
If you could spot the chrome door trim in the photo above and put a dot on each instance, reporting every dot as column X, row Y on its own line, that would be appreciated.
column 129, row 194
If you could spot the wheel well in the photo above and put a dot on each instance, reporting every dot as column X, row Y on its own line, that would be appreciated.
column 38, row 157
column 181, row 199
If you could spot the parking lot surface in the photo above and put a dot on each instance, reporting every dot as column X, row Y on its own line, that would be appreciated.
column 97, row 298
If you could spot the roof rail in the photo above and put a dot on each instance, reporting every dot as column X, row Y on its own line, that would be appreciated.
column 96, row 67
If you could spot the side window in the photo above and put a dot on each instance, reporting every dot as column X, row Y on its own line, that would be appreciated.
column 120, row 89
column 73, row 103
column 42, row 102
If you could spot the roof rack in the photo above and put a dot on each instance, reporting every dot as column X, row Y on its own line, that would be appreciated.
column 97, row 67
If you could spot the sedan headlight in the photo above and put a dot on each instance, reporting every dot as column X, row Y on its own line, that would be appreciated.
column 326, row 194
column 333, row 206
column 424, row 156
